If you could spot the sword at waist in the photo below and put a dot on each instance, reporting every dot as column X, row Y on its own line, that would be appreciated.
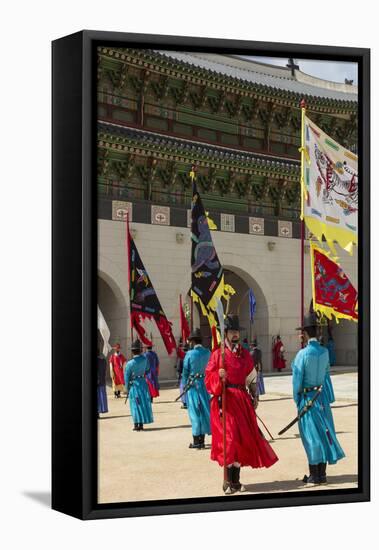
column 306, row 407
column 191, row 380
column 311, row 388
column 133, row 377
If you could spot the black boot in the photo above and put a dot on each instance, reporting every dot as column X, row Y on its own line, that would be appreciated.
column 136, row 428
column 140, row 426
column 313, row 475
column 322, row 472
column 227, row 486
column 237, row 485
column 201, row 441
column 196, row 443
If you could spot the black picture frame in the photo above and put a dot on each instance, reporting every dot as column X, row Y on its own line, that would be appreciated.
column 74, row 203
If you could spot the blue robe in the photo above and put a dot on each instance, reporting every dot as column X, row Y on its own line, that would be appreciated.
column 311, row 368
column 197, row 396
column 332, row 352
column 138, row 391
column 152, row 373
column 102, row 401
column 260, row 384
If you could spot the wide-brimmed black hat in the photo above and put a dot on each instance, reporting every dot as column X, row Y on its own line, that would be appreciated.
column 195, row 334
column 232, row 323
column 136, row 345
column 310, row 320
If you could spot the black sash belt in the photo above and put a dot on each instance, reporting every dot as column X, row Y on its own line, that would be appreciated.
column 238, row 386
column 313, row 388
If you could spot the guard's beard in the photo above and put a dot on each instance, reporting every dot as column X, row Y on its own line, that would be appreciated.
column 235, row 341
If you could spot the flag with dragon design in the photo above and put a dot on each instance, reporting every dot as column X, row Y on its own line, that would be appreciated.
column 333, row 292
column 330, row 176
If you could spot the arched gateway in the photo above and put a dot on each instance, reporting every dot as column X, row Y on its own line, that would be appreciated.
column 114, row 309
column 242, row 282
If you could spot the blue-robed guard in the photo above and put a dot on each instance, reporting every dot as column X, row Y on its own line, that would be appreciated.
column 137, row 390
column 313, row 394
column 197, row 397
column 102, row 401
column 153, row 372
column 179, row 369
column 332, row 351
column 256, row 355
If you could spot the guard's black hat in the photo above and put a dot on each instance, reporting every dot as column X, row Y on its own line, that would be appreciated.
column 232, row 323
column 136, row 346
column 310, row 320
column 195, row 334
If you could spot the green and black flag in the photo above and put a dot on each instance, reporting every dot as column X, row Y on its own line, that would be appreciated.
column 207, row 272
column 144, row 303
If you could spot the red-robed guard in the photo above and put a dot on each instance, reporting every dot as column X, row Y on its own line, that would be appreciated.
column 245, row 444
column 278, row 361
column 116, row 363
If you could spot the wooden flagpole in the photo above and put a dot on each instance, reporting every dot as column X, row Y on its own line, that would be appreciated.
column 128, row 268
column 220, row 315
column 223, row 399
column 303, row 193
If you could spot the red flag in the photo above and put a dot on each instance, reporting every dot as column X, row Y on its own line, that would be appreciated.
column 144, row 303
column 333, row 293
column 184, row 328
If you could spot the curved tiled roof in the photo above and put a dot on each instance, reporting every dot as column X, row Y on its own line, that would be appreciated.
column 191, row 147
column 261, row 74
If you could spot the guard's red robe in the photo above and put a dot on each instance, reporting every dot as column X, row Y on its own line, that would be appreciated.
column 117, row 362
column 244, row 442
column 277, row 356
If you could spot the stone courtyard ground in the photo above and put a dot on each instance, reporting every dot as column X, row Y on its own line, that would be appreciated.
column 157, row 463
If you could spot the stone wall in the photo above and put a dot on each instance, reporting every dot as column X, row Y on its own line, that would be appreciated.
column 274, row 276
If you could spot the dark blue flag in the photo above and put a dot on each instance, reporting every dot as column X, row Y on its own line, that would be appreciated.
column 252, row 305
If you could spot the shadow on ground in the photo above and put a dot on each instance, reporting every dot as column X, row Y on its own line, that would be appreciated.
column 296, row 436
column 293, row 484
column 42, row 497
column 344, row 406
column 166, row 402
column 110, row 417
column 166, row 428
column 274, row 399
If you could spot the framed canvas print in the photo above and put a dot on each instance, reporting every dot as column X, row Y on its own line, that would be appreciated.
column 210, row 275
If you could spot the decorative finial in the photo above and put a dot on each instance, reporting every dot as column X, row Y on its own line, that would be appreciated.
column 303, row 104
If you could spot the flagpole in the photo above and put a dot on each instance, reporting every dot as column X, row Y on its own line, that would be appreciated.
column 180, row 317
column 302, row 278
column 128, row 267
column 302, row 226
column 192, row 176
column 223, row 411
column 220, row 314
